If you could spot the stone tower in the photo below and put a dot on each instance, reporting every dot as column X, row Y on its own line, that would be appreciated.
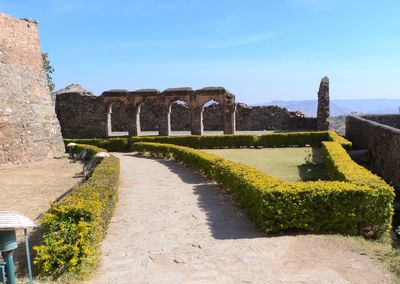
column 323, row 105
column 29, row 129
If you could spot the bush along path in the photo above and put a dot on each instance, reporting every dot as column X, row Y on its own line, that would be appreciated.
column 174, row 226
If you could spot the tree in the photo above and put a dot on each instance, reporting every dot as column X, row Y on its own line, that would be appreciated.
column 49, row 70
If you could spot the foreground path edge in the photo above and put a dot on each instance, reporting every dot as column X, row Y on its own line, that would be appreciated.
column 174, row 226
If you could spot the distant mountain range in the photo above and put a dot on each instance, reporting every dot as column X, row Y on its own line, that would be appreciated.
column 343, row 107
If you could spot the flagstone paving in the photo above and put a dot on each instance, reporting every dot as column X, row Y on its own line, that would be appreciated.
column 174, row 226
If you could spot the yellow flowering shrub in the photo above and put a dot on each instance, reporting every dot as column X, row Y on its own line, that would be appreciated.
column 76, row 224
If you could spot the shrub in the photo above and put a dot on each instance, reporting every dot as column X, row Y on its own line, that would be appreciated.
column 286, row 139
column 348, row 206
column 333, row 136
column 109, row 144
column 76, row 224
column 93, row 150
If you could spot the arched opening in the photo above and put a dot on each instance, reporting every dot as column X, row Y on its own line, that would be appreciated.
column 117, row 124
column 147, row 119
column 180, row 117
column 213, row 116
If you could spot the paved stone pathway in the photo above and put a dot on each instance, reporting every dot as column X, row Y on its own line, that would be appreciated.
column 173, row 226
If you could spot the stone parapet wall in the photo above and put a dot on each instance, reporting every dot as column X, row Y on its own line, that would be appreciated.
column 381, row 140
column 392, row 120
column 29, row 129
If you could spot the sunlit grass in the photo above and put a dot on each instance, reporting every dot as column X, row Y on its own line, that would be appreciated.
column 291, row 164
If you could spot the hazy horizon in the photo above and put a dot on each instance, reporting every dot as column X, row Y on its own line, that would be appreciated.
column 262, row 51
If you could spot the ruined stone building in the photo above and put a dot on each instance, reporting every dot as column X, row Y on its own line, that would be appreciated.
column 29, row 129
column 83, row 115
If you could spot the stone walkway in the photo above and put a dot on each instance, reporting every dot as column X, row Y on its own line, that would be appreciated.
column 174, row 226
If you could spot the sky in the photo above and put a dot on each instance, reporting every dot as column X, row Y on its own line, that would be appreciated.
column 259, row 50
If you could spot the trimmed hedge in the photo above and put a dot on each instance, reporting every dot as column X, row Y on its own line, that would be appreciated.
column 333, row 136
column 347, row 207
column 285, row 139
column 93, row 150
column 341, row 167
column 301, row 139
column 109, row 144
column 76, row 224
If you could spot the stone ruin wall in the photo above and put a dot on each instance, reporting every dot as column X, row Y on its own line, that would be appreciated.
column 83, row 115
column 247, row 118
column 29, row 129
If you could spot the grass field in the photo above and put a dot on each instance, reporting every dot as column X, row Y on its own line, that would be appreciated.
column 291, row 164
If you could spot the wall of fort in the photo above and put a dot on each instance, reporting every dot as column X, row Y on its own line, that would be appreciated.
column 29, row 129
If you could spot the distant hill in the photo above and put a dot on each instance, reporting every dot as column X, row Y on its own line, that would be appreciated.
column 343, row 107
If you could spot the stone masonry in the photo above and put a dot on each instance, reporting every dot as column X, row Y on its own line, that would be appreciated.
column 83, row 115
column 323, row 105
column 380, row 135
column 29, row 129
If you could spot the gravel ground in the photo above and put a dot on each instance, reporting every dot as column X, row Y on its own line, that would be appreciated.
column 29, row 188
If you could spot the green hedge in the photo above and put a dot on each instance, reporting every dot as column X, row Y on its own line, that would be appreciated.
column 286, row 139
column 109, row 144
column 93, row 150
column 301, row 139
column 76, row 224
column 333, row 136
column 347, row 207
column 313, row 138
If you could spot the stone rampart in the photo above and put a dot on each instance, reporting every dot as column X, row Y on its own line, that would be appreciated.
column 29, row 129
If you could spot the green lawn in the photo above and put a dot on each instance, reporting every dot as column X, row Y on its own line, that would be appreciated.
column 291, row 164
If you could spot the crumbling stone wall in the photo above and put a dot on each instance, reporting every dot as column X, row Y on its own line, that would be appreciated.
column 272, row 118
column 84, row 115
column 29, row 129
column 247, row 118
column 81, row 115
column 381, row 140
column 179, row 109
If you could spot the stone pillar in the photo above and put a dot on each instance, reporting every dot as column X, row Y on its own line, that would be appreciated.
column 323, row 105
column 197, row 121
column 132, row 116
column 109, row 123
column 138, row 127
column 164, row 120
column 229, row 118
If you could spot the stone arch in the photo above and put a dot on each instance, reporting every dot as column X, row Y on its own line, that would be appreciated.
column 147, row 117
column 179, row 115
column 117, row 119
column 212, row 115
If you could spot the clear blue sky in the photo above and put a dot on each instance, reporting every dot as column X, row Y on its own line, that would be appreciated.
column 259, row 50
